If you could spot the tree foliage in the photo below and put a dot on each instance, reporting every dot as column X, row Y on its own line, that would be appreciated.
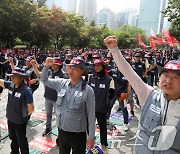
column 15, row 20
column 23, row 22
column 173, row 13
column 127, row 36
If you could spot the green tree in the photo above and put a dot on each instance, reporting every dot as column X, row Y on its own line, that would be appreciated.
column 173, row 13
column 75, row 33
column 128, row 36
column 39, row 31
column 57, row 26
column 105, row 32
column 15, row 20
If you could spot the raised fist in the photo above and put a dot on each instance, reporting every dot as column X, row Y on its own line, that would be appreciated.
column 110, row 42
column 11, row 60
column 34, row 63
column 49, row 61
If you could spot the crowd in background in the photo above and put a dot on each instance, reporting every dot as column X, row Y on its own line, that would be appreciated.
column 102, row 74
column 148, row 57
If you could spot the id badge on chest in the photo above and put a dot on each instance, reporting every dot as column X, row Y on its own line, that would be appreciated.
column 102, row 86
column 18, row 95
column 78, row 94
column 62, row 93
column 155, row 109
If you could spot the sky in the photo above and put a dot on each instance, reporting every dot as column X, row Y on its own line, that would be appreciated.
column 116, row 5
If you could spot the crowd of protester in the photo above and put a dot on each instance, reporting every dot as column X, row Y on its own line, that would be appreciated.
column 100, row 67
column 148, row 57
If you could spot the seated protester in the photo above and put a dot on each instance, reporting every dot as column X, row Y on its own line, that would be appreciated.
column 19, row 106
column 159, row 125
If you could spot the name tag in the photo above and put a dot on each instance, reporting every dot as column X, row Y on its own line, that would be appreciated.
column 139, row 66
column 123, row 78
column 102, row 86
column 155, row 109
column 114, row 75
column 62, row 93
column 17, row 95
column 78, row 94
column 93, row 85
column 56, row 77
column 10, row 92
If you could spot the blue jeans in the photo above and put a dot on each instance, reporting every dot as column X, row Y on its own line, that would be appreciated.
column 123, row 108
column 49, row 105
column 131, row 101
column 125, row 112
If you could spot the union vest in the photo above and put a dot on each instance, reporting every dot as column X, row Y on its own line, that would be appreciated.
column 149, row 138
column 120, row 81
column 101, row 91
column 139, row 68
column 16, row 110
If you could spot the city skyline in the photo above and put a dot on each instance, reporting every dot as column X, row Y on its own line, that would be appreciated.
column 88, row 9
column 106, row 16
column 68, row 5
column 115, row 5
column 140, row 13
column 150, row 16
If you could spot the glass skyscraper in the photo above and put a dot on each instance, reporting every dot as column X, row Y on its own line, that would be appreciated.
column 87, row 9
column 67, row 5
column 150, row 15
column 106, row 16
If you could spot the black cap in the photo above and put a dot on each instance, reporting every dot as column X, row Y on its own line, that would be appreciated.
column 137, row 55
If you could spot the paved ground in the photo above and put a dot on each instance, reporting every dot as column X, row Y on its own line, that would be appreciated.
column 125, row 138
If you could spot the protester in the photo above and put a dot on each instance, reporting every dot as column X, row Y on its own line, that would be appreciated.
column 19, row 106
column 121, row 88
column 103, row 86
column 161, row 107
column 75, row 107
column 50, row 94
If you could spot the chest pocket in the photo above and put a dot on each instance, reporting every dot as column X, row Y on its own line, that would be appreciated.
column 61, row 96
column 176, row 145
column 77, row 103
column 150, row 120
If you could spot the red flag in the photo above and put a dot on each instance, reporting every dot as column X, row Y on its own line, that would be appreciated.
column 173, row 39
column 158, row 41
column 152, row 43
column 141, row 42
column 153, row 35
column 155, row 39
column 165, row 33
column 170, row 40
